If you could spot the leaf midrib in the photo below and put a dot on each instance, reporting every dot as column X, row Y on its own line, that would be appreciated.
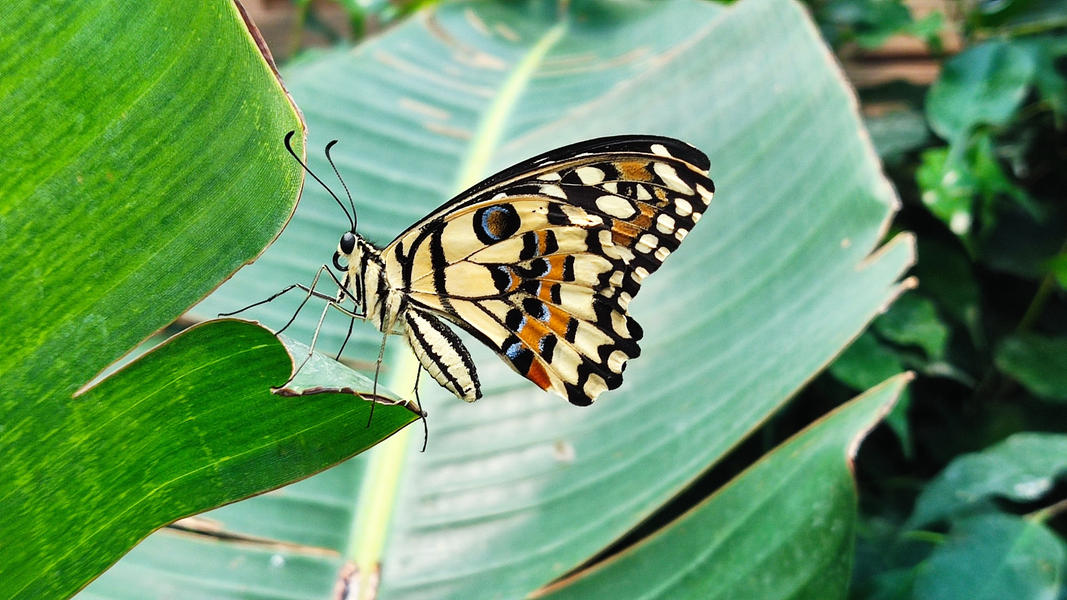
column 383, row 482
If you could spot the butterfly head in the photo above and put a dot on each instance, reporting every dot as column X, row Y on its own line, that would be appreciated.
column 345, row 250
column 350, row 258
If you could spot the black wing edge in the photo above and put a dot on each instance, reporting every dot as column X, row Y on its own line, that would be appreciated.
column 614, row 143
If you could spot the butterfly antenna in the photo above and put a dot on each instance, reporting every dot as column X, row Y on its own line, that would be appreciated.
column 289, row 147
column 338, row 173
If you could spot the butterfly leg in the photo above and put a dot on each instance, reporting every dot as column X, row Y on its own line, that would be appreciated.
column 311, row 348
column 310, row 291
column 418, row 372
column 348, row 335
column 377, row 370
column 422, row 413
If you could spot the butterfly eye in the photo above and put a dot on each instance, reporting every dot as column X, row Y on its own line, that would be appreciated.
column 348, row 242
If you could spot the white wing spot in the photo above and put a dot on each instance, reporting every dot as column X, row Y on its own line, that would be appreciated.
column 618, row 321
column 662, row 254
column 594, row 386
column 681, row 233
column 642, row 192
column 611, row 186
column 660, row 149
column 624, row 303
column 683, row 207
column 670, row 177
column 580, row 218
column 646, row 243
column 705, row 195
column 553, row 191
column 550, row 176
column 604, row 236
column 616, row 360
column 616, row 278
column 664, row 223
column 616, row 206
column 639, row 274
column 590, row 175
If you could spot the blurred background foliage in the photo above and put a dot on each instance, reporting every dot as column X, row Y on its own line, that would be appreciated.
column 963, row 493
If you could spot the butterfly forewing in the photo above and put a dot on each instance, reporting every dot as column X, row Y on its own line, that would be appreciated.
column 541, row 261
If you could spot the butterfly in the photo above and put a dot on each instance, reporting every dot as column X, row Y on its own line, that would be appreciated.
column 539, row 262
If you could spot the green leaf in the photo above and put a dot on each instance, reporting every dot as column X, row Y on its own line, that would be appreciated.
column 929, row 30
column 219, row 434
column 1048, row 80
column 994, row 556
column 142, row 168
column 1022, row 468
column 948, row 189
column 913, row 320
column 514, row 490
column 1022, row 16
column 966, row 187
column 871, row 22
column 984, row 84
column 1058, row 268
column 898, row 132
column 782, row 529
column 1038, row 362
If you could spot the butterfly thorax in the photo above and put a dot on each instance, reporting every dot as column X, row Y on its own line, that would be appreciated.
column 437, row 347
column 367, row 282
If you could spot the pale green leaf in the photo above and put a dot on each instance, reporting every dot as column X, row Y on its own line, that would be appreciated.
column 782, row 529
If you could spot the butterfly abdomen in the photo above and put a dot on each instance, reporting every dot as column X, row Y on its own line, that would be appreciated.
column 442, row 354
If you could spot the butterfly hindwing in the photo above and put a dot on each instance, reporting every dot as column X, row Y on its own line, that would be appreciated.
column 541, row 261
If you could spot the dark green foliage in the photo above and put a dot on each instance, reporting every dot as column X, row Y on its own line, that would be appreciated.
column 985, row 329
column 1037, row 362
column 870, row 22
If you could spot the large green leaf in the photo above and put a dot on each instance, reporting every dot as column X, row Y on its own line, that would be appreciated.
column 1023, row 467
column 520, row 487
column 782, row 529
column 141, row 168
column 984, row 84
column 994, row 556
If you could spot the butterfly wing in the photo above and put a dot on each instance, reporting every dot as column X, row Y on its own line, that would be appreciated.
column 541, row 261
